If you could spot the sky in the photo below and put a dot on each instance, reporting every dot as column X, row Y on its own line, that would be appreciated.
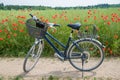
column 58, row 3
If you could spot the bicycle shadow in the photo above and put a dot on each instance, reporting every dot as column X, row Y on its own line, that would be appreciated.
column 60, row 74
column 72, row 74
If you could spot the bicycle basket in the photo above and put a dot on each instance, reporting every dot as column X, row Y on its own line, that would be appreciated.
column 88, row 31
column 34, row 31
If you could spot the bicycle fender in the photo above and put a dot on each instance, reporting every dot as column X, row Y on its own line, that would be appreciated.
column 89, row 39
column 92, row 39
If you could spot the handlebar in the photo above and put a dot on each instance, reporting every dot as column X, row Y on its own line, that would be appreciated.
column 40, row 24
column 53, row 24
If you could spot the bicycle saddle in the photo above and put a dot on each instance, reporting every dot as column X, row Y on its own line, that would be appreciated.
column 74, row 26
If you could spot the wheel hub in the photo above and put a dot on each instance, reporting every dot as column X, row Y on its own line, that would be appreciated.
column 86, row 56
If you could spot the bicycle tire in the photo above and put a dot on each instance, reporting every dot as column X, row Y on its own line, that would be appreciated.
column 34, row 53
column 92, row 50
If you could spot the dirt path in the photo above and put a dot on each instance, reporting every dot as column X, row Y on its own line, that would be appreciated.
column 10, row 67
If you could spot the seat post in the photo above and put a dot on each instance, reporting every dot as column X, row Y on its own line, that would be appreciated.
column 71, row 33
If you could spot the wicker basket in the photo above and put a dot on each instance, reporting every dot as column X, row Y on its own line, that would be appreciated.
column 88, row 31
column 34, row 31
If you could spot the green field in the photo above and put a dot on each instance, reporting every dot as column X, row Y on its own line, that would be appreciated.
column 15, row 41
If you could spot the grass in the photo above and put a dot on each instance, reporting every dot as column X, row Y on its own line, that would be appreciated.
column 15, row 41
column 56, row 78
column 1, row 78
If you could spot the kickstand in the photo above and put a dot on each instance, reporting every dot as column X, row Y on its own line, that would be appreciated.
column 83, row 74
column 82, row 68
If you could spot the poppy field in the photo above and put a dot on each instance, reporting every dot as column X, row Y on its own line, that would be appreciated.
column 15, row 40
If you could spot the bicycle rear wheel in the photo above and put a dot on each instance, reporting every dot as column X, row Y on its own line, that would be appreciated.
column 33, row 56
column 91, row 57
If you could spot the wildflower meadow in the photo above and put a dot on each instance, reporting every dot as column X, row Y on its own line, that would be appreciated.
column 15, row 40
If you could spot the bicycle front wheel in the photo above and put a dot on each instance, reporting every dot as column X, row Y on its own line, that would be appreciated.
column 33, row 56
column 91, row 57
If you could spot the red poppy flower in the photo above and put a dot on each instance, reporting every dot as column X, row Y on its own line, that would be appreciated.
column 113, row 20
column 104, row 49
column 41, row 17
column 21, row 22
column 1, row 39
column 119, row 19
column 85, row 20
column 66, row 19
column 8, row 36
column 110, row 51
column 21, row 30
column 88, row 16
column 23, row 17
column 95, row 17
column 3, row 21
column 86, row 28
column 0, row 31
column 75, row 19
column 14, row 34
column 47, row 21
column 115, row 36
column 18, row 16
column 106, row 42
column 89, row 11
column 95, row 11
column 14, row 24
column 15, row 29
column 108, row 23
column 55, row 16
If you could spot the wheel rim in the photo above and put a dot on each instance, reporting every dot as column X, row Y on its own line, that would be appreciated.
column 91, row 50
column 33, row 57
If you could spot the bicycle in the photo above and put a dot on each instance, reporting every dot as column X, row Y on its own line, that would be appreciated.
column 80, row 53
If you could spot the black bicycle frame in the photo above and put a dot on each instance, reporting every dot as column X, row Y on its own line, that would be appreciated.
column 58, row 42
column 64, row 55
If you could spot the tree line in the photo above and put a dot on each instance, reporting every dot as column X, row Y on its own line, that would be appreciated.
column 17, row 7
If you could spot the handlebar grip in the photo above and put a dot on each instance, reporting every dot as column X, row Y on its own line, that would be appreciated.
column 34, row 18
column 56, row 25
column 31, row 15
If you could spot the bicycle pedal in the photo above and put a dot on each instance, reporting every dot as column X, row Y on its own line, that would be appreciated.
column 55, row 55
column 58, row 56
column 86, row 61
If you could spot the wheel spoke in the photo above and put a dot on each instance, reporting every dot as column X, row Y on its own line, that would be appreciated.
column 32, row 56
column 90, row 58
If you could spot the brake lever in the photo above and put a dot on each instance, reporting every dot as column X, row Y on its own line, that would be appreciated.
column 51, row 25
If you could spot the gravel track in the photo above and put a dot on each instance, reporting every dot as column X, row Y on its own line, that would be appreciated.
column 9, row 67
